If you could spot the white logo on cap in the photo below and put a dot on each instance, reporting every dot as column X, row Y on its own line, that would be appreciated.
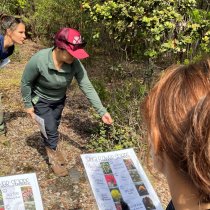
column 77, row 40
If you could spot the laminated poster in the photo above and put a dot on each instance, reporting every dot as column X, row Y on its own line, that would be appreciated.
column 20, row 192
column 118, row 180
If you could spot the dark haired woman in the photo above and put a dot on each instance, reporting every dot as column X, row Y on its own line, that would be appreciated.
column 12, row 31
column 45, row 80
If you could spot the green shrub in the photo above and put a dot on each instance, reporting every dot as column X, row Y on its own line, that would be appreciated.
column 109, row 138
column 123, row 103
column 153, row 28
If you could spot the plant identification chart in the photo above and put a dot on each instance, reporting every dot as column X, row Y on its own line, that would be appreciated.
column 118, row 181
column 20, row 192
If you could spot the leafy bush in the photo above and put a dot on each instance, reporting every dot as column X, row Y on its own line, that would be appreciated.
column 123, row 103
column 153, row 27
column 12, row 6
column 109, row 138
column 51, row 15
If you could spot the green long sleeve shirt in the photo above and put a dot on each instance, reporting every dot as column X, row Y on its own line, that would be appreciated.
column 41, row 79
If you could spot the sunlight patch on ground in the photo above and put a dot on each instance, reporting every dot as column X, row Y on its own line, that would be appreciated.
column 10, row 78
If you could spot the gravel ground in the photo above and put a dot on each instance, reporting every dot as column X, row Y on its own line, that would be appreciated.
column 22, row 150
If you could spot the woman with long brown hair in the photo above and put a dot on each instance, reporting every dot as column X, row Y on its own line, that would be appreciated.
column 177, row 114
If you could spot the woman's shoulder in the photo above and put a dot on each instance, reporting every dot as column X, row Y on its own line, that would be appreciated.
column 5, row 53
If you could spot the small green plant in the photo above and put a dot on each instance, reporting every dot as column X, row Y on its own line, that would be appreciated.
column 114, row 137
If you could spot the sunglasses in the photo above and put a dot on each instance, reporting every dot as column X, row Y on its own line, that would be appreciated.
column 74, row 46
column 7, row 21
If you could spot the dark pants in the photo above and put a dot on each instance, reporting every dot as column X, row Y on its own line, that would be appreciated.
column 51, row 112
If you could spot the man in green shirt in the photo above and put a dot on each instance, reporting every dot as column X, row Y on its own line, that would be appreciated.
column 44, row 83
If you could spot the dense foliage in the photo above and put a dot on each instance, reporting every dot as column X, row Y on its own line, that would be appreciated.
column 151, row 28
column 154, row 28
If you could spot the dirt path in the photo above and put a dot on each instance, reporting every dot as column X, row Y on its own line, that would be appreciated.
column 22, row 150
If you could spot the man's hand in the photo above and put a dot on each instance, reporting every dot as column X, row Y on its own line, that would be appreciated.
column 106, row 118
column 30, row 111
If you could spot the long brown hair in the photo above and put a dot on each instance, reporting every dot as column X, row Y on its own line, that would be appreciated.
column 177, row 114
column 9, row 22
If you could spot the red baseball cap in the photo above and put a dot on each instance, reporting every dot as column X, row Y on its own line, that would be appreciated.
column 70, row 39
